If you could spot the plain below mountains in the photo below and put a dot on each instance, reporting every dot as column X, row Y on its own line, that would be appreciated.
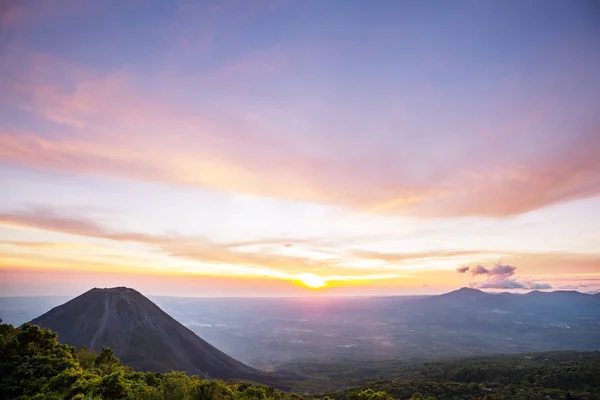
column 141, row 335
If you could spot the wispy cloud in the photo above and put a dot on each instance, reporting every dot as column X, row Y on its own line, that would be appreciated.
column 392, row 257
column 47, row 219
column 253, row 258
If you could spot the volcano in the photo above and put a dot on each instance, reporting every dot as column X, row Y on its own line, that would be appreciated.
column 142, row 335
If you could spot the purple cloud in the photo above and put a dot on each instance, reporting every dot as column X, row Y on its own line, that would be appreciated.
column 502, row 270
column 479, row 270
column 499, row 277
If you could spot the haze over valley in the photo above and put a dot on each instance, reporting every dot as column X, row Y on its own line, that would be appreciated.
column 269, row 333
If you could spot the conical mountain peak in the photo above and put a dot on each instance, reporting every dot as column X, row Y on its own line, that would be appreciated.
column 141, row 335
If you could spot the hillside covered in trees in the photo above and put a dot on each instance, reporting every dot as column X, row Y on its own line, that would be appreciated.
column 33, row 365
column 538, row 376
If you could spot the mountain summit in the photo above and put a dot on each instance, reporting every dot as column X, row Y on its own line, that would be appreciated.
column 141, row 335
column 465, row 291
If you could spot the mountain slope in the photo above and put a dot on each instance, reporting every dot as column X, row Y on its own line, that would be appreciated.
column 141, row 335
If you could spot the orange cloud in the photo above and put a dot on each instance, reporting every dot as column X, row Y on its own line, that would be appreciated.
column 267, row 258
column 272, row 255
column 75, row 281
column 259, row 261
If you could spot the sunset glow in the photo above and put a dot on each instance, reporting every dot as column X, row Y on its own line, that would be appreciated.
column 269, row 148
column 312, row 281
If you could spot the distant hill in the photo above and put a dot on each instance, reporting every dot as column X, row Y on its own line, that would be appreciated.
column 557, row 303
column 464, row 292
column 141, row 335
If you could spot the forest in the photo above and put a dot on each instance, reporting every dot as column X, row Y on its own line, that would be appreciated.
column 34, row 365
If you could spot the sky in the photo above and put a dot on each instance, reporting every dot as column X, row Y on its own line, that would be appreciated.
column 298, row 147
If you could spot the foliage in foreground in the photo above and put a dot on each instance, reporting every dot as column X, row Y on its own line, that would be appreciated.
column 33, row 365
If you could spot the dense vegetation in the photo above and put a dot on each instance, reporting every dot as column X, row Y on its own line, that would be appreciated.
column 549, row 375
column 33, row 365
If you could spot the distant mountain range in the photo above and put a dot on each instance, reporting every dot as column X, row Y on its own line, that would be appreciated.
column 141, row 335
column 466, row 292
column 558, row 303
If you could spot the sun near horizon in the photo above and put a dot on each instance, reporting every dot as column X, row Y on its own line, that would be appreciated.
column 312, row 281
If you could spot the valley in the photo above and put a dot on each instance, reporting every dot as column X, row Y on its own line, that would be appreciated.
column 270, row 333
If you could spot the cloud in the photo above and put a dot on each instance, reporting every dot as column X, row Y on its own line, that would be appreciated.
column 479, row 270
column 180, row 246
column 502, row 271
column 47, row 219
column 499, row 277
column 53, row 245
column 539, row 286
column 259, row 257
column 499, row 271
column 396, row 257
column 575, row 286
column 107, row 124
